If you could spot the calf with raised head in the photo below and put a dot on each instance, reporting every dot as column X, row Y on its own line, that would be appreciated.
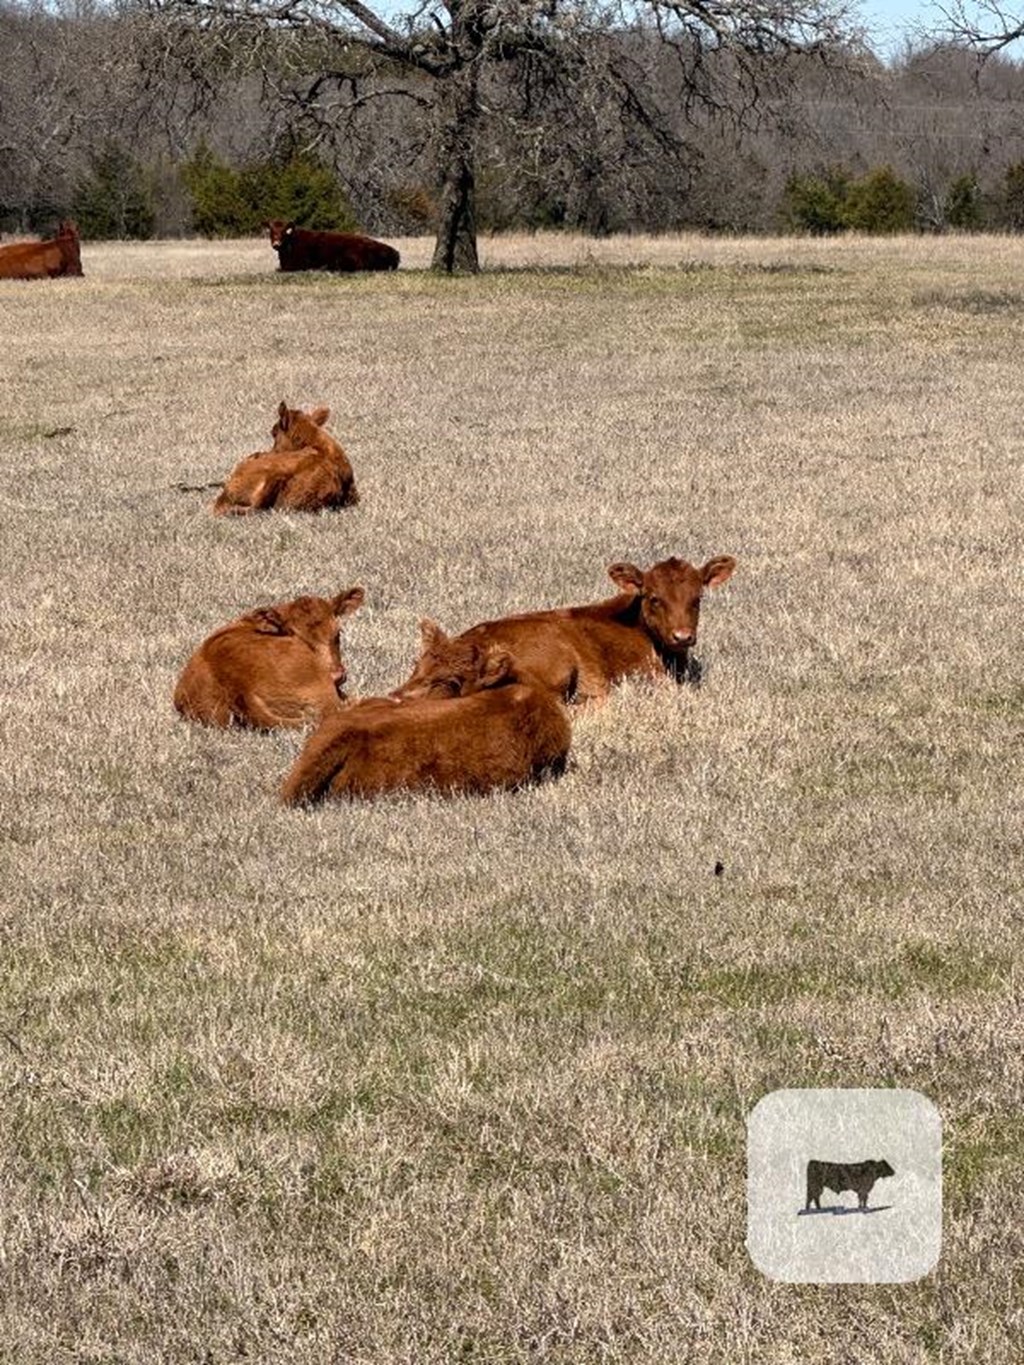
column 306, row 471
column 304, row 249
column 60, row 255
column 579, row 652
column 491, row 728
column 276, row 666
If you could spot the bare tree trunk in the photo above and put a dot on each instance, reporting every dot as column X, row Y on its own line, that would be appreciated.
column 455, row 248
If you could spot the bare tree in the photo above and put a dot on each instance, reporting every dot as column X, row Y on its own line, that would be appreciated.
column 987, row 26
column 66, row 78
column 441, row 55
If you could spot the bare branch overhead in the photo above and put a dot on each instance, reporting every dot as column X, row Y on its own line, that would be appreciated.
column 984, row 25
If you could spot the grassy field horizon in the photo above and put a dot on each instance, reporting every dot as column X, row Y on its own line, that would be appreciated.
column 429, row 1080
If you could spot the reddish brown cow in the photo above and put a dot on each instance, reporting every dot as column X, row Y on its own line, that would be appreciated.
column 579, row 652
column 303, row 249
column 60, row 255
column 276, row 666
column 501, row 731
column 306, row 471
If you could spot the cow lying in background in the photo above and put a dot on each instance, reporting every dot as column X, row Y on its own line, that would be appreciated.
column 579, row 652
column 859, row 1176
column 500, row 731
column 303, row 249
column 276, row 666
column 306, row 471
column 43, row 260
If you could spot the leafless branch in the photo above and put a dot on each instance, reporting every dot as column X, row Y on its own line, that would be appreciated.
column 985, row 26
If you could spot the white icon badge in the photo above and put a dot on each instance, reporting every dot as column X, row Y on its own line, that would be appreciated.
column 844, row 1186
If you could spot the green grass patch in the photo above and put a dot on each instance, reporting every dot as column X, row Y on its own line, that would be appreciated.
column 979, row 1152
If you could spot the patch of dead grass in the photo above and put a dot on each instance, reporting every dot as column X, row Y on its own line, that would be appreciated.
column 428, row 1080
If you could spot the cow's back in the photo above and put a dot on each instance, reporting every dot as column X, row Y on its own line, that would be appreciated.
column 318, row 481
column 495, row 739
column 341, row 252
column 41, row 260
column 492, row 740
column 378, row 255
column 30, row 261
column 243, row 676
column 199, row 695
column 303, row 480
column 573, row 649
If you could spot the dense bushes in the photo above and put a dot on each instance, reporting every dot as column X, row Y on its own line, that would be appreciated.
column 964, row 208
column 879, row 202
column 1013, row 197
column 229, row 202
column 118, row 198
column 114, row 200
column 814, row 203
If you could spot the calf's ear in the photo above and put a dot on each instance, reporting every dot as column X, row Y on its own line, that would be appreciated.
column 431, row 634
column 627, row 576
column 716, row 571
column 319, row 416
column 497, row 665
column 347, row 602
column 282, row 415
column 269, row 621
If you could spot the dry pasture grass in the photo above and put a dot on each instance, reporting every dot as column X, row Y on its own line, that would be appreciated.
column 467, row 1080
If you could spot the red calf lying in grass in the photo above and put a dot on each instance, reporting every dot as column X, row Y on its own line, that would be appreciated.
column 497, row 731
column 579, row 652
column 61, row 255
column 276, row 666
column 306, row 471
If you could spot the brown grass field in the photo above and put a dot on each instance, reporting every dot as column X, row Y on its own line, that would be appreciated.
column 432, row 1081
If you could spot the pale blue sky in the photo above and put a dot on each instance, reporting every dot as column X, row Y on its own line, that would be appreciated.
column 888, row 21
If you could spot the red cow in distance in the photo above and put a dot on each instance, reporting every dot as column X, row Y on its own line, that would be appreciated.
column 304, row 249
column 60, row 255
column 306, row 471
column 277, row 666
column 579, row 652
column 497, row 730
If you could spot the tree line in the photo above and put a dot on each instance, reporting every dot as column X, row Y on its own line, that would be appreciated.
column 172, row 117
